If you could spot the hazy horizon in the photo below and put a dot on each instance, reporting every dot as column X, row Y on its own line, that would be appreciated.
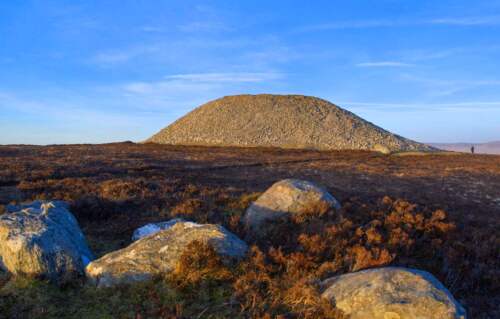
column 94, row 72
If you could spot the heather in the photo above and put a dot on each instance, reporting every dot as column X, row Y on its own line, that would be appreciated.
column 433, row 212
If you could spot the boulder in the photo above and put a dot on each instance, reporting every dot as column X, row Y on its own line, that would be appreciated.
column 288, row 197
column 42, row 239
column 392, row 293
column 153, row 228
column 381, row 149
column 160, row 252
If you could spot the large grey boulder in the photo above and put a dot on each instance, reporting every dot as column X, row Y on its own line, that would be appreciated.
column 160, row 252
column 42, row 239
column 392, row 293
column 288, row 197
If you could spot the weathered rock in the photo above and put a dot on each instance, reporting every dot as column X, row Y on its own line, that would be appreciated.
column 392, row 293
column 381, row 149
column 288, row 197
column 159, row 253
column 153, row 228
column 42, row 239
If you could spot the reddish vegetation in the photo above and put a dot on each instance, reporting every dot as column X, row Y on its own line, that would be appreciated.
column 434, row 212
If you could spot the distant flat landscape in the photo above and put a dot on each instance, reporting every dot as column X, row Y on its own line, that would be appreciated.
column 480, row 148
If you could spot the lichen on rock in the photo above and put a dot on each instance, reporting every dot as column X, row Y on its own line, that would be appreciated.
column 42, row 239
column 287, row 198
column 392, row 292
column 159, row 253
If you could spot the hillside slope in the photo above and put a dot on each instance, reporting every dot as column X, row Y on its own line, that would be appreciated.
column 286, row 121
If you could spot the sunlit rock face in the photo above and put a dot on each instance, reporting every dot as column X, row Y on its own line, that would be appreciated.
column 286, row 198
column 392, row 293
column 159, row 253
column 153, row 228
column 42, row 239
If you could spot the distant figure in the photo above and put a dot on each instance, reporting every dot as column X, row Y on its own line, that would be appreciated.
column 472, row 149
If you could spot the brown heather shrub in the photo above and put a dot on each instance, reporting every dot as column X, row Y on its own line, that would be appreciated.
column 471, row 268
column 304, row 298
column 188, row 208
column 242, row 202
column 124, row 190
column 280, row 280
column 321, row 209
column 200, row 262
column 190, row 190
column 363, row 257
column 265, row 290
column 255, row 287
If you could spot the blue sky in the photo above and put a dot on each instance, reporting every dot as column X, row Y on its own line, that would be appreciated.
column 102, row 71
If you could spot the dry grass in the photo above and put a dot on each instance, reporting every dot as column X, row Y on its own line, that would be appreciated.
column 439, row 216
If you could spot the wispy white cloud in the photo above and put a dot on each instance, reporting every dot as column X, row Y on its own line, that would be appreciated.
column 168, row 88
column 68, row 118
column 57, row 109
column 122, row 56
column 446, row 87
column 204, row 26
column 179, row 93
column 457, row 106
column 365, row 24
column 152, row 29
column 339, row 25
column 180, row 86
column 227, row 77
column 417, row 55
column 205, row 18
column 468, row 21
column 383, row 64
column 71, row 19
column 113, row 57
column 248, row 52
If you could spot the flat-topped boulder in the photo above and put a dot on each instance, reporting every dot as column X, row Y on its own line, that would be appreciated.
column 42, row 239
column 286, row 198
column 159, row 253
column 392, row 293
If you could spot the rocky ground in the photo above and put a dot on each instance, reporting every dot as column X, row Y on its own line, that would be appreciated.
column 435, row 212
column 286, row 121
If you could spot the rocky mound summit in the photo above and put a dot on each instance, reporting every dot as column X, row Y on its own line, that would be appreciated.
column 285, row 121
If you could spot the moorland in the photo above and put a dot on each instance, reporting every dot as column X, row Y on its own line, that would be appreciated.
column 434, row 211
